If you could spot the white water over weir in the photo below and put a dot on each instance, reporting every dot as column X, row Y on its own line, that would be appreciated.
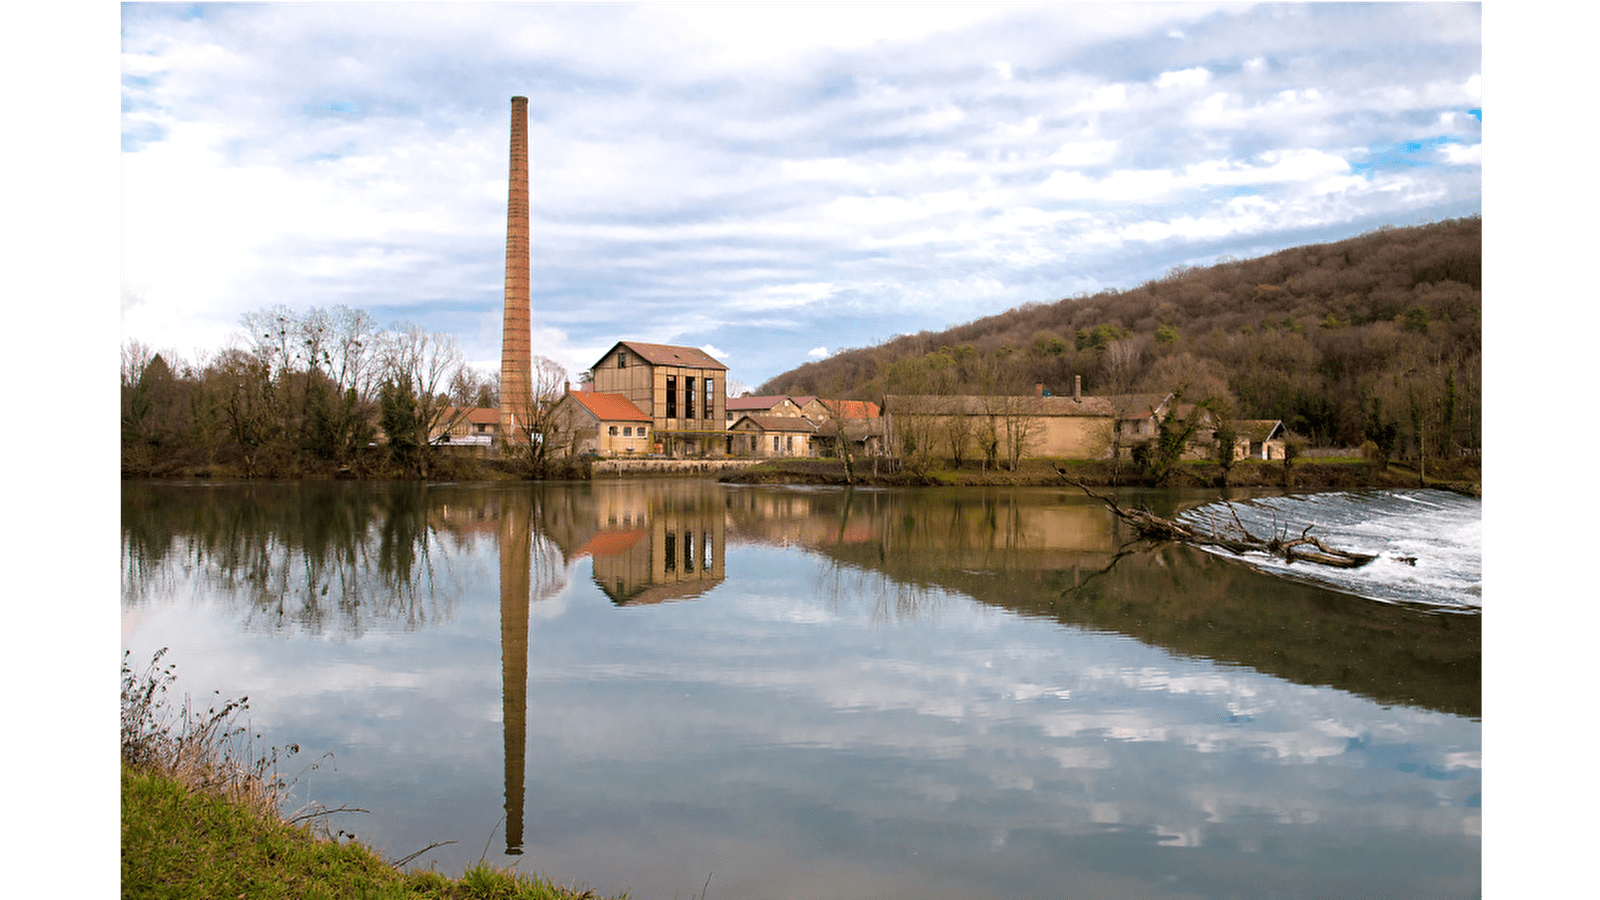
column 1441, row 531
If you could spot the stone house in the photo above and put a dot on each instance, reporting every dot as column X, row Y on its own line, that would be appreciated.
column 757, row 434
column 460, row 426
column 1138, row 417
column 1258, row 439
column 683, row 390
column 819, row 410
column 769, row 405
column 1040, row 424
column 589, row 422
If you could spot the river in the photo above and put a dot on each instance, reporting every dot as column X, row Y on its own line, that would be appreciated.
column 798, row 692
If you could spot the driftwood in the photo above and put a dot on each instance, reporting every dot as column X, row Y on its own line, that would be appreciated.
column 1234, row 537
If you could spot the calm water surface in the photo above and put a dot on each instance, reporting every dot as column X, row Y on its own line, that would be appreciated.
column 804, row 692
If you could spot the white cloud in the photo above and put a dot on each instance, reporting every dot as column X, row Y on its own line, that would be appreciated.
column 818, row 352
column 1463, row 154
column 1184, row 79
column 701, row 166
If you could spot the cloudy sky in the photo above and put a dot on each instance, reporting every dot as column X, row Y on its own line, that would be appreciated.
column 771, row 183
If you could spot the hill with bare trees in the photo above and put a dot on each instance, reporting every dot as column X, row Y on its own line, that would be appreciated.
column 1375, row 338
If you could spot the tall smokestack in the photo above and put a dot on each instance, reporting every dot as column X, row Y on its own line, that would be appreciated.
column 516, row 341
column 1077, row 387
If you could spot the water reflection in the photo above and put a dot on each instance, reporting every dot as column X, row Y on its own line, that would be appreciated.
column 1102, row 720
column 1052, row 554
column 321, row 559
column 516, row 556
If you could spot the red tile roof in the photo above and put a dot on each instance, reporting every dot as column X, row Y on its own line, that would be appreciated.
column 852, row 409
column 478, row 415
column 609, row 407
column 610, row 543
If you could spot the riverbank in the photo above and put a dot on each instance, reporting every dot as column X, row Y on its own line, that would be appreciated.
column 1340, row 473
column 199, row 819
column 182, row 842
column 1460, row 476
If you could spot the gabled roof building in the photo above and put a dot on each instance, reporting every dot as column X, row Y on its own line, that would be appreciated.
column 683, row 390
column 603, row 424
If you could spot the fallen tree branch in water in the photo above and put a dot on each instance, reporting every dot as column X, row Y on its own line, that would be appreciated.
column 1234, row 538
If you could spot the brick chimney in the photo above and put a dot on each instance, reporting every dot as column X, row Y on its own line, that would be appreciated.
column 1038, row 389
column 516, row 340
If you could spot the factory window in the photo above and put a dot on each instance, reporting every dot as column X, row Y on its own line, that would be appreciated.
column 710, row 404
column 672, row 396
column 688, row 398
column 622, row 359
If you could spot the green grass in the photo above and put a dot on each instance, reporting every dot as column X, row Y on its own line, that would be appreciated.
column 200, row 819
column 182, row 843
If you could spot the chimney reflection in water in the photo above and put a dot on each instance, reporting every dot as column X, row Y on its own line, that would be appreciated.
column 515, row 561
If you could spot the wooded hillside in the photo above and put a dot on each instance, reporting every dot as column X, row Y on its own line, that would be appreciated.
column 1376, row 338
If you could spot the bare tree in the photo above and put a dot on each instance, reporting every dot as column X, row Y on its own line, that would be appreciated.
column 135, row 357
column 536, row 441
column 1121, row 363
column 244, row 398
column 352, row 351
column 471, row 388
column 1019, row 422
column 958, row 429
column 273, row 336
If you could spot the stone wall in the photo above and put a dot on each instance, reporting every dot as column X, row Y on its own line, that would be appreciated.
column 603, row 468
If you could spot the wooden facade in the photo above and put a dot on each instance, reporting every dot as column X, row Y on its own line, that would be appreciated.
column 682, row 389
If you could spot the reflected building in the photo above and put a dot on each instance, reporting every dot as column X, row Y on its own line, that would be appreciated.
column 654, row 546
column 648, row 545
column 650, row 542
column 976, row 531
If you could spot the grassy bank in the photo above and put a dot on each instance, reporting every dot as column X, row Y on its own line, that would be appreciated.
column 1461, row 476
column 201, row 819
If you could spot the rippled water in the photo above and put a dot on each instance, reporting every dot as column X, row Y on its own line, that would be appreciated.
column 1429, row 543
column 827, row 693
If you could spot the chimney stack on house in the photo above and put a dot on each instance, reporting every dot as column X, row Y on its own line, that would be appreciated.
column 1077, row 388
column 516, row 340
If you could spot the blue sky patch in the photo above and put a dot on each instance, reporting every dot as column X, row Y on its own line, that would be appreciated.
column 1403, row 155
column 134, row 139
